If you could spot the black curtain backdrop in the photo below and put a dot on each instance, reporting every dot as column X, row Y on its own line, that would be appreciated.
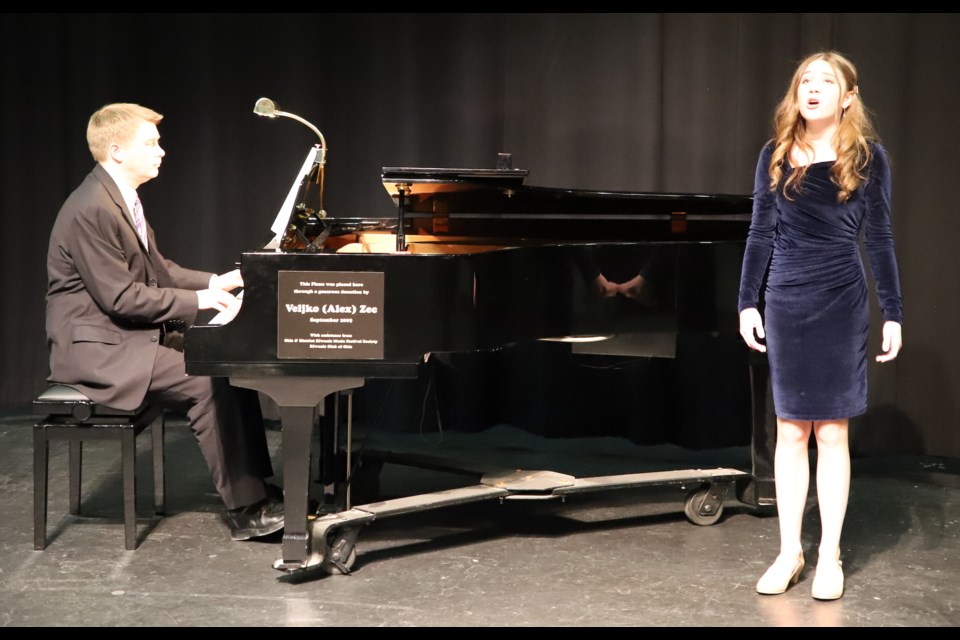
column 639, row 102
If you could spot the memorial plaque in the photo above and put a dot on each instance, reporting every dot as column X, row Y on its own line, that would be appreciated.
column 330, row 315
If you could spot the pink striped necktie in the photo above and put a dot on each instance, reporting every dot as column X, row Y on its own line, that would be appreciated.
column 139, row 222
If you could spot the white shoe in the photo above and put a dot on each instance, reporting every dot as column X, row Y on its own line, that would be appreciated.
column 828, row 581
column 781, row 574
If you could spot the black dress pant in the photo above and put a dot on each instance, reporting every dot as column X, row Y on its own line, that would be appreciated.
column 226, row 421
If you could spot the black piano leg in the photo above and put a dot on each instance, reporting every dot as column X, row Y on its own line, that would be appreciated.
column 298, row 425
column 301, row 401
column 764, row 437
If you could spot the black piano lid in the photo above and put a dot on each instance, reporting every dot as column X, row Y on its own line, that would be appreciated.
column 437, row 174
column 502, row 191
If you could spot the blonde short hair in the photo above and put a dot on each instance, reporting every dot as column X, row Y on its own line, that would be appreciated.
column 116, row 123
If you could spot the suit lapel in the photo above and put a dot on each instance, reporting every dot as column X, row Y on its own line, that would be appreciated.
column 114, row 192
column 121, row 211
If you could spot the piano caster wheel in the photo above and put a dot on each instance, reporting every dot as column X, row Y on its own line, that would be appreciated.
column 341, row 555
column 691, row 508
column 333, row 568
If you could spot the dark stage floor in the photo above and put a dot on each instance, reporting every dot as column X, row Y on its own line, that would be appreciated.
column 616, row 558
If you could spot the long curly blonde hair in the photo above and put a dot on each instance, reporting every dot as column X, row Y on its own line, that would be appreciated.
column 851, row 141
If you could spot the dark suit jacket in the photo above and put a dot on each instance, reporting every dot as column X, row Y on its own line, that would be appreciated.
column 107, row 298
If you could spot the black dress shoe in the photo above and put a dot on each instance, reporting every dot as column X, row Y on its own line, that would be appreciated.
column 260, row 519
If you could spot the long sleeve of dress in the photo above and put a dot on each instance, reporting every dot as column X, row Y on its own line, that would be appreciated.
column 760, row 237
column 878, row 237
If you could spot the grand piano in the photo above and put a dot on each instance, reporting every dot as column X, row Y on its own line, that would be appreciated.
column 472, row 261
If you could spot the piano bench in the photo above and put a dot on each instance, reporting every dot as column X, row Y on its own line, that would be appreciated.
column 71, row 416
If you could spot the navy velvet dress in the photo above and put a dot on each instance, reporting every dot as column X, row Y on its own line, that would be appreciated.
column 816, row 310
